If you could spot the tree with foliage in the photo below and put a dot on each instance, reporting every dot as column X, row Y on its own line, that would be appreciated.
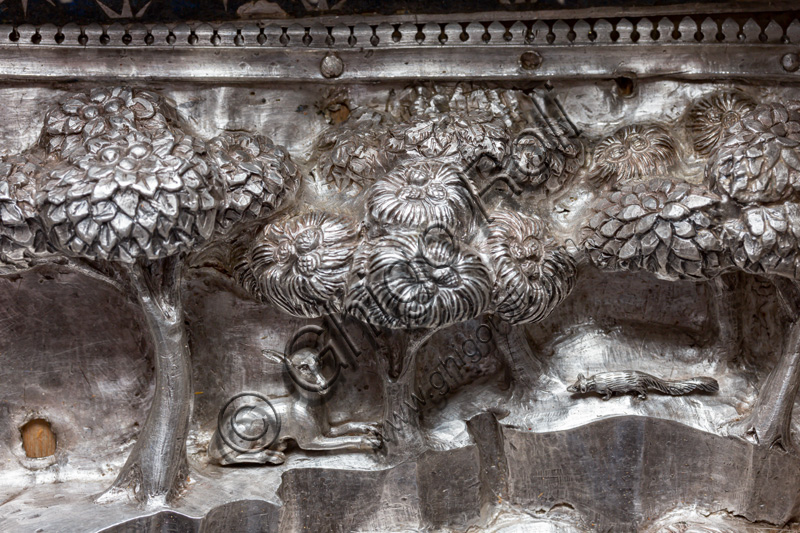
column 121, row 190
column 743, row 217
column 416, row 264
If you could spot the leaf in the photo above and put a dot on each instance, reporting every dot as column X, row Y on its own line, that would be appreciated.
column 418, row 133
column 780, row 177
column 626, row 231
column 752, row 125
column 708, row 241
column 610, row 228
column 772, row 154
column 790, row 158
column 664, row 231
column 645, row 223
column 755, row 221
column 597, row 220
column 674, row 211
column 694, row 201
column 632, row 212
column 10, row 214
column 753, row 248
column 684, row 229
column 87, row 230
column 649, row 243
column 662, row 256
column 629, row 249
column 685, row 249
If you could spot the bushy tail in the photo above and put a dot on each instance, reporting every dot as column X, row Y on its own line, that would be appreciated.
column 685, row 386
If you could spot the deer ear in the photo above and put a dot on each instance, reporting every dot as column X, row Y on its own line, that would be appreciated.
column 581, row 377
column 272, row 356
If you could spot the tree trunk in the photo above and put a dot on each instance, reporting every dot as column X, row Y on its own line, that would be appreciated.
column 157, row 468
column 769, row 423
column 402, row 401
column 725, row 306
column 521, row 363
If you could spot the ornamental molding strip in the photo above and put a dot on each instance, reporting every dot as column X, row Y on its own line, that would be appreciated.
column 523, row 49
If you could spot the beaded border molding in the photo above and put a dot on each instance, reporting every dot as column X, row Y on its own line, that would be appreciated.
column 715, row 47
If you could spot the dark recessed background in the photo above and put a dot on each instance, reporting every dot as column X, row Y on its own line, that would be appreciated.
column 107, row 11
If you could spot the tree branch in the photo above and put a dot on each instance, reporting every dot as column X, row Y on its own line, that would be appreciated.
column 788, row 295
column 109, row 276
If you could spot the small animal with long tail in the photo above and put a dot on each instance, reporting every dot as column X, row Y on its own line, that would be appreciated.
column 608, row 383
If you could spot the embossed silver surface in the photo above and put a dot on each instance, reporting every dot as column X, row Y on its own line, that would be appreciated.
column 377, row 275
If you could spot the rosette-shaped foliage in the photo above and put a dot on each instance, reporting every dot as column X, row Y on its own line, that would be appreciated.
column 82, row 117
column 418, row 280
column 669, row 229
column 131, row 195
column 258, row 176
column 300, row 263
column 759, row 160
column 633, row 153
column 504, row 105
column 420, row 194
column 545, row 156
column 18, row 215
column 353, row 153
column 710, row 118
column 765, row 240
column 533, row 274
column 462, row 138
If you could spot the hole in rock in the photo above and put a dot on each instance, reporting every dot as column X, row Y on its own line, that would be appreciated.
column 38, row 438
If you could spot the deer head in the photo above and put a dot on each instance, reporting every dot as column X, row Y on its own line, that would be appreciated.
column 305, row 368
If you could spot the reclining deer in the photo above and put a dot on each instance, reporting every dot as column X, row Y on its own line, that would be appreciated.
column 302, row 418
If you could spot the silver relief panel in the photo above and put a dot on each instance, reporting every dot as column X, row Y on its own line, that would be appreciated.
column 383, row 276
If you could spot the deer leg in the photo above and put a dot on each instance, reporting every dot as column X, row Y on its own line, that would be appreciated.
column 350, row 428
column 322, row 443
column 221, row 453
column 263, row 457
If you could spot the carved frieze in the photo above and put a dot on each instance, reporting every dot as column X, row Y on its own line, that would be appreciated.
column 395, row 262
